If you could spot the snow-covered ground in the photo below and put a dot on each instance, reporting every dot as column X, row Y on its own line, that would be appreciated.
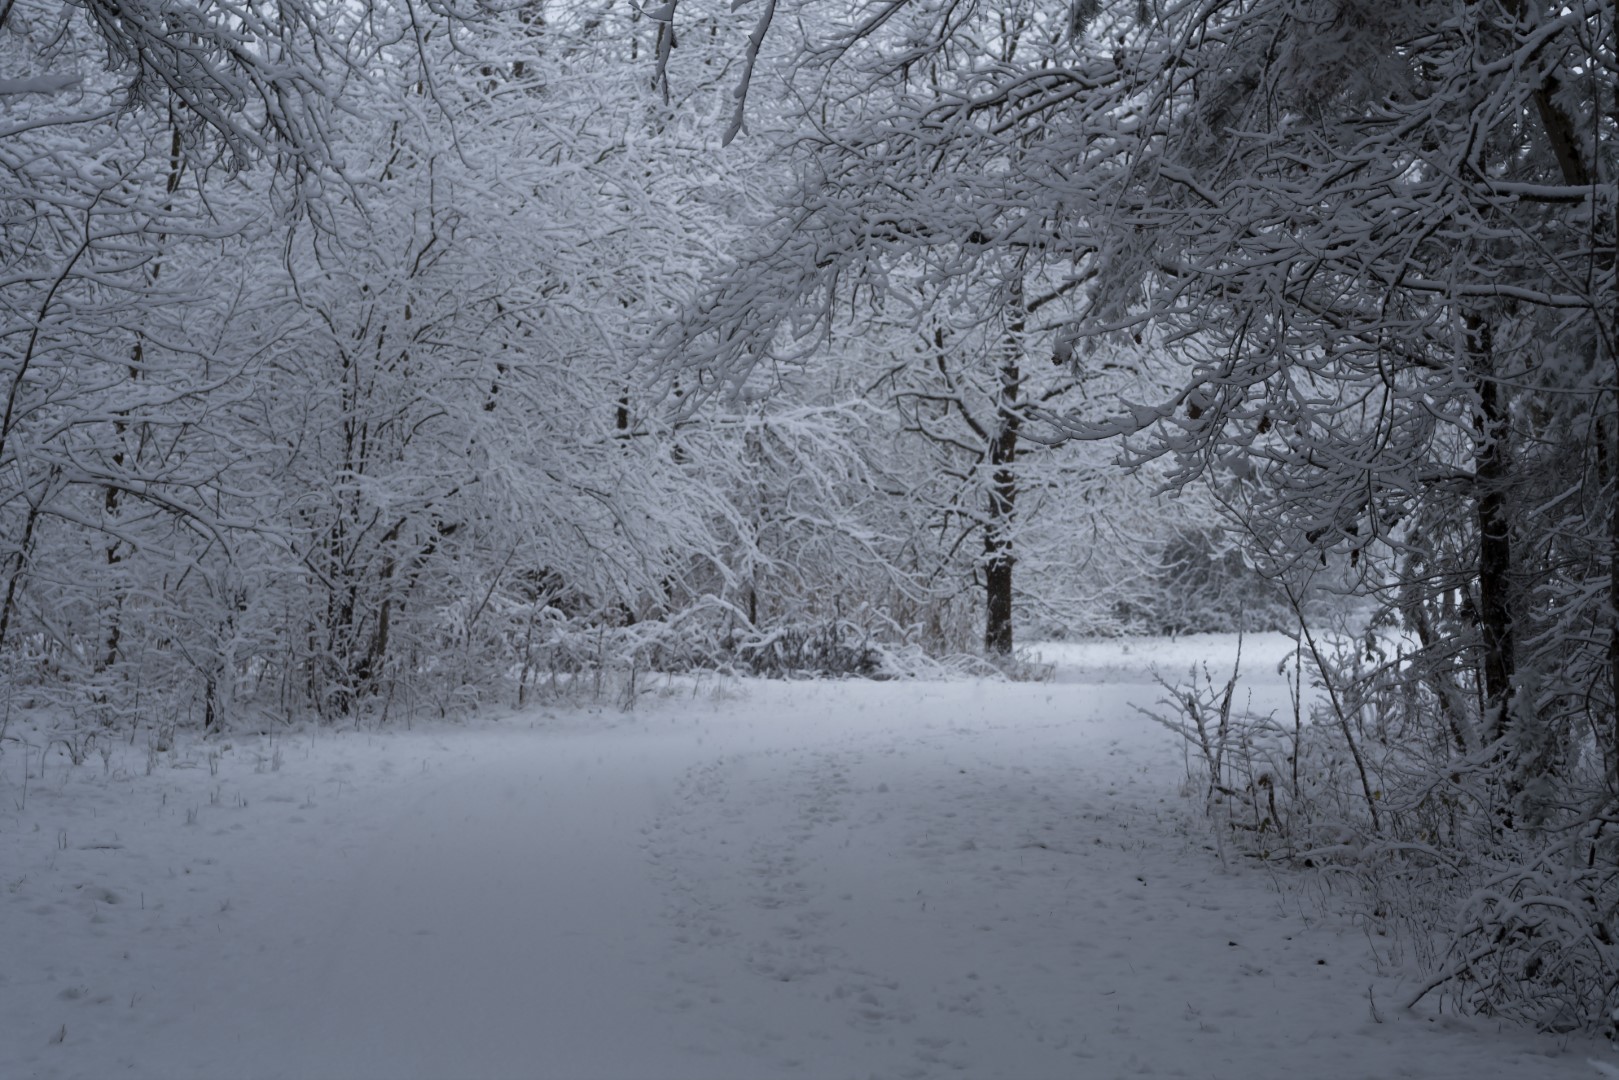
column 737, row 880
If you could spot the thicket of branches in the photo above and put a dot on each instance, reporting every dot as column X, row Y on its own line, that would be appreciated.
column 328, row 340
column 324, row 336
column 1369, row 247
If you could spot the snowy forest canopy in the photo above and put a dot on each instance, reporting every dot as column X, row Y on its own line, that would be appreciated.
column 373, row 358
column 365, row 358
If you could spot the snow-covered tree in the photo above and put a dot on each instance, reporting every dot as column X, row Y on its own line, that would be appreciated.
column 914, row 213
column 1377, row 240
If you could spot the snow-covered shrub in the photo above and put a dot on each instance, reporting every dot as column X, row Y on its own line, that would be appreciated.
column 1502, row 886
column 831, row 649
column 1245, row 762
column 1536, row 938
column 1209, row 588
column 1200, row 583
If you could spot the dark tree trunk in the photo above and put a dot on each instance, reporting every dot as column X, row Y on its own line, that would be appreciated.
column 1613, row 528
column 1498, row 662
column 999, row 557
column 19, row 559
column 998, row 590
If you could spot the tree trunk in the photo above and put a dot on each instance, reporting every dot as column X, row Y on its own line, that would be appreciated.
column 1498, row 662
column 999, row 557
column 1613, row 530
column 998, row 584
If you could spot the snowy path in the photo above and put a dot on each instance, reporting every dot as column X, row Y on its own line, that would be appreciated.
column 504, row 921
column 836, row 880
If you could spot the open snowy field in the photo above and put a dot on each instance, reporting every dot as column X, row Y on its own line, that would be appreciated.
column 736, row 880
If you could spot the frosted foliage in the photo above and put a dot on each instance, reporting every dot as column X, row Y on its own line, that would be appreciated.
column 1343, row 269
column 348, row 426
column 327, row 341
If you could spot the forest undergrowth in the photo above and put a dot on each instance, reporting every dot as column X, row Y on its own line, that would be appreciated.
column 1500, row 914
